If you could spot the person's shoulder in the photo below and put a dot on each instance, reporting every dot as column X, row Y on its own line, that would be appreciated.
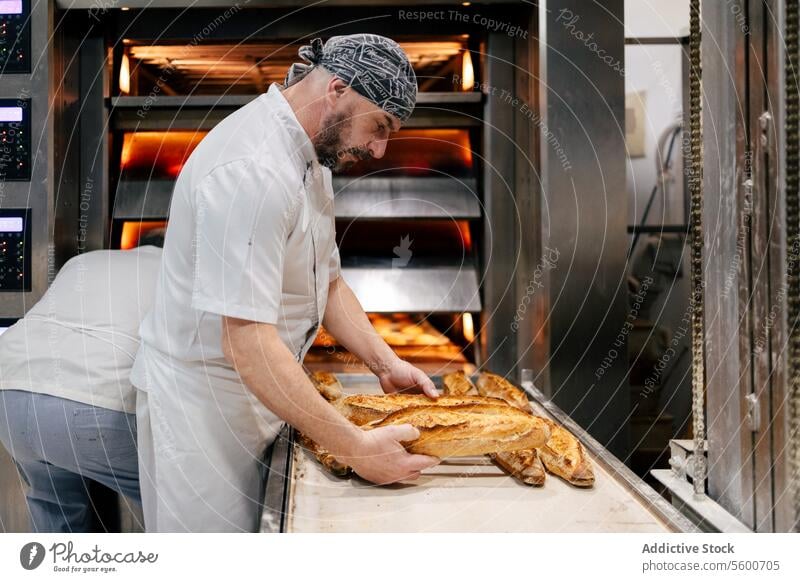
column 259, row 171
column 107, row 258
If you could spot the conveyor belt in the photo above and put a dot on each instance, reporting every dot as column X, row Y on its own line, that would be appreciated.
column 460, row 495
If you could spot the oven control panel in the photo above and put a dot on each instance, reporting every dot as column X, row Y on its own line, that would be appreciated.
column 15, row 249
column 15, row 139
column 15, row 36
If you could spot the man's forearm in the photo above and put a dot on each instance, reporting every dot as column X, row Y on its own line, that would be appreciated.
column 270, row 371
column 346, row 321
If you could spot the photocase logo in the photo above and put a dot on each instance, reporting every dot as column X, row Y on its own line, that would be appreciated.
column 31, row 555
column 402, row 253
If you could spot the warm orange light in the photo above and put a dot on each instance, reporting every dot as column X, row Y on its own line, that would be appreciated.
column 158, row 154
column 466, row 235
column 133, row 231
column 125, row 75
column 467, row 72
column 468, row 327
column 127, row 147
column 418, row 151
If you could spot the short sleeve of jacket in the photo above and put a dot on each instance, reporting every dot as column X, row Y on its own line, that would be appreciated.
column 243, row 215
column 335, row 265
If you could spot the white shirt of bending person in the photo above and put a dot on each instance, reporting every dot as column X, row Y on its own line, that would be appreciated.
column 80, row 339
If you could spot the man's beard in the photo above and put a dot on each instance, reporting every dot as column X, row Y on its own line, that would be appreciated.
column 329, row 143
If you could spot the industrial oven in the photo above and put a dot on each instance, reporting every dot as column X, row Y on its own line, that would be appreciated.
column 405, row 223
column 490, row 236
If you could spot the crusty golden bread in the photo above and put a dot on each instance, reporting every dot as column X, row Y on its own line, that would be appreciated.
column 498, row 387
column 328, row 385
column 324, row 457
column 468, row 429
column 523, row 465
column 363, row 408
column 564, row 455
column 457, row 384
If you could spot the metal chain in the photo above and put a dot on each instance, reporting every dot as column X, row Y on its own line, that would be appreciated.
column 695, row 185
column 792, row 247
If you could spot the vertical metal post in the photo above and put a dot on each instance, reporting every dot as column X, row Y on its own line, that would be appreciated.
column 584, row 213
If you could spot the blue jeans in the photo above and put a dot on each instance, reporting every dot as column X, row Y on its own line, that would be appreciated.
column 59, row 444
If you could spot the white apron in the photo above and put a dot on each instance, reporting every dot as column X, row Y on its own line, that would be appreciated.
column 202, row 433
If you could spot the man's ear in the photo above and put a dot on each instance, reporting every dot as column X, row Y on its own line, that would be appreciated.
column 336, row 89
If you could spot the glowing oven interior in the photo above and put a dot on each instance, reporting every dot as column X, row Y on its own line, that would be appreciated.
column 437, row 342
column 250, row 67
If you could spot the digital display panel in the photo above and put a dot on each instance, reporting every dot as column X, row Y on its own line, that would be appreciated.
column 10, row 224
column 10, row 7
column 10, row 114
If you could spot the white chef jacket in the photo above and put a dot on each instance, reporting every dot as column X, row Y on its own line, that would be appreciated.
column 250, row 235
column 79, row 340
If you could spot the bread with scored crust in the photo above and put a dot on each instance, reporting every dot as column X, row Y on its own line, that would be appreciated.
column 468, row 429
column 363, row 408
column 564, row 455
column 498, row 387
column 457, row 384
column 523, row 465
column 324, row 457
column 327, row 384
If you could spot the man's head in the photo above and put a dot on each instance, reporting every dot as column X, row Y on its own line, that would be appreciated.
column 364, row 88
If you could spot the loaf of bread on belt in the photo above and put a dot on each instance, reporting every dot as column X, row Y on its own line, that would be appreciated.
column 326, row 459
column 523, row 465
column 468, row 429
column 498, row 387
column 330, row 388
column 328, row 385
column 457, row 384
column 562, row 455
column 361, row 409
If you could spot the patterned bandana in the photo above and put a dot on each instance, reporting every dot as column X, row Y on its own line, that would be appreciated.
column 374, row 66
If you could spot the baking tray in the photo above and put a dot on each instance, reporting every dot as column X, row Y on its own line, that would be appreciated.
column 460, row 495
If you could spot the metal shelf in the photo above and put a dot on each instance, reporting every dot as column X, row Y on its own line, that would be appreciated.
column 407, row 198
column 143, row 199
column 356, row 198
column 434, row 109
column 435, row 289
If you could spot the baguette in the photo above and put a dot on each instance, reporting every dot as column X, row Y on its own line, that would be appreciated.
column 361, row 409
column 523, row 465
column 328, row 385
column 324, row 457
column 498, row 387
column 457, row 384
column 468, row 429
column 564, row 455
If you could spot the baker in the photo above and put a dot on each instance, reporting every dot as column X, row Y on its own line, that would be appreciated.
column 67, row 407
column 250, row 270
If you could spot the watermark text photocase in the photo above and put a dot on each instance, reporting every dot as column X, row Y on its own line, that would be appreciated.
column 569, row 20
column 548, row 262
